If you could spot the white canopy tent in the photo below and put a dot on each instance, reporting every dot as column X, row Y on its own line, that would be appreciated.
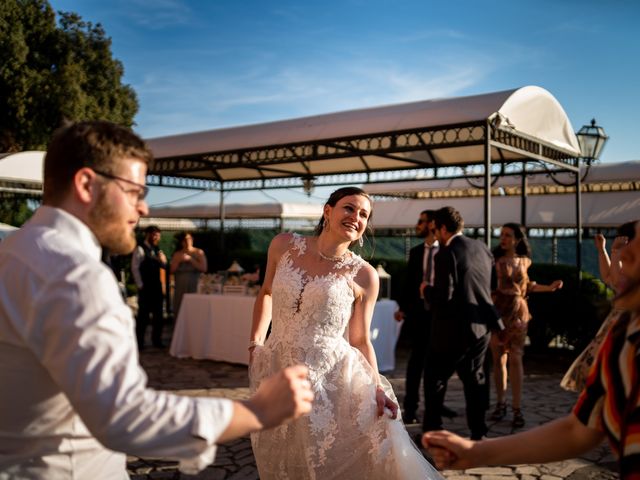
column 514, row 126
column 21, row 173
column 519, row 124
column 280, row 215
column 556, row 211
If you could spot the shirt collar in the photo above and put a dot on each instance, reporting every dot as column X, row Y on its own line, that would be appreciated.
column 70, row 226
column 452, row 237
column 434, row 244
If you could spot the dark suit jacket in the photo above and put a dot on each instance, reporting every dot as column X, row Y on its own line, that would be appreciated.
column 410, row 297
column 410, row 301
column 461, row 296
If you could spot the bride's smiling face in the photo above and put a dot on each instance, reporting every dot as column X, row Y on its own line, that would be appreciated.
column 349, row 217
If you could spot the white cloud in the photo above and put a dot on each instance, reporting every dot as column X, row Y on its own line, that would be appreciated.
column 158, row 14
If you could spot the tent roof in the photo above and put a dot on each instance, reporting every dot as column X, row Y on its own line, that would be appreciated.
column 599, row 210
column 604, row 176
column 543, row 211
column 241, row 211
column 524, row 123
column 21, row 172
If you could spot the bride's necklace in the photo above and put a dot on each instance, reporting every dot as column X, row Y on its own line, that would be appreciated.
column 334, row 258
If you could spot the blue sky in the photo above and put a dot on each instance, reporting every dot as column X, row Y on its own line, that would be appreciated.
column 199, row 65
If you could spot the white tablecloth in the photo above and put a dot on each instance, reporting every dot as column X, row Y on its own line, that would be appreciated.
column 384, row 334
column 217, row 327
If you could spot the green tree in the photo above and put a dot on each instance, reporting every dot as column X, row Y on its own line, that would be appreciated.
column 14, row 211
column 52, row 72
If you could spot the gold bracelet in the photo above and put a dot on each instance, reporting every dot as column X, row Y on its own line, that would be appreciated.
column 254, row 344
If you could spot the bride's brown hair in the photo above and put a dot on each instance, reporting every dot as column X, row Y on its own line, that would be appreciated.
column 335, row 197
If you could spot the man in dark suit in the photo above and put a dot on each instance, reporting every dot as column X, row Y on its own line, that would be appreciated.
column 146, row 263
column 463, row 316
column 417, row 312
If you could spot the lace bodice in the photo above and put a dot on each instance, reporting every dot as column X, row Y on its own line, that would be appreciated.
column 311, row 310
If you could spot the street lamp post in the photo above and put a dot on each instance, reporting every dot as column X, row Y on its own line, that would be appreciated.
column 591, row 139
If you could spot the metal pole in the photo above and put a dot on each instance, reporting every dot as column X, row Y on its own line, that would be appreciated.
column 578, row 227
column 523, row 196
column 221, row 217
column 487, row 185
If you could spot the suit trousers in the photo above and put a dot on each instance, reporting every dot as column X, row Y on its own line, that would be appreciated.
column 468, row 361
column 150, row 304
column 420, row 330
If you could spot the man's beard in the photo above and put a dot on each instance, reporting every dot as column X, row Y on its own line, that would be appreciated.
column 106, row 225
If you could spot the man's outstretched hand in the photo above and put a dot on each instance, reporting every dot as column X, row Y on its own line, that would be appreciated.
column 282, row 397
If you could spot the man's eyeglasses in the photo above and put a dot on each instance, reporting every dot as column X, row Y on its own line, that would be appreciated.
column 137, row 194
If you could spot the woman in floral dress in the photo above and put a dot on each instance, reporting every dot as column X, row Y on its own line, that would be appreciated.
column 513, row 259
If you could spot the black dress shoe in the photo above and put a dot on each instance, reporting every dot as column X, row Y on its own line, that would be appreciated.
column 410, row 419
column 447, row 412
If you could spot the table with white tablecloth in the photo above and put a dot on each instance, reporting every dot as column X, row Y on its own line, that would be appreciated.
column 214, row 327
column 217, row 327
column 384, row 333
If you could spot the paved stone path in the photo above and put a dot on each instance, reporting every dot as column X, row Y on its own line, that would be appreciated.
column 544, row 400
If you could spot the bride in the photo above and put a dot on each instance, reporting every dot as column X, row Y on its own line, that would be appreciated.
column 320, row 297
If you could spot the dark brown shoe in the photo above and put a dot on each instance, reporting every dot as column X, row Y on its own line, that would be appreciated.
column 499, row 412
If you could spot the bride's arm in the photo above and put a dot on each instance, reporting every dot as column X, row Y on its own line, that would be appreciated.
column 366, row 286
column 262, row 306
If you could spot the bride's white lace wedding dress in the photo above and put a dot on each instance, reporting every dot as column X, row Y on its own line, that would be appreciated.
column 342, row 437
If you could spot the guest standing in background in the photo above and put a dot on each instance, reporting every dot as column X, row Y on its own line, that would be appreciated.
column 416, row 309
column 187, row 263
column 576, row 377
column 513, row 259
column 608, row 407
column 147, row 262
column 463, row 317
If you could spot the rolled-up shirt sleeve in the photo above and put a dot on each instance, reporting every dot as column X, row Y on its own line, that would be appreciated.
column 83, row 334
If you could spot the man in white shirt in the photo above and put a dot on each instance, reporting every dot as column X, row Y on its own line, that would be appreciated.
column 74, row 395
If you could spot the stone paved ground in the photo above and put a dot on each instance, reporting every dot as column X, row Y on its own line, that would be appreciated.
column 544, row 400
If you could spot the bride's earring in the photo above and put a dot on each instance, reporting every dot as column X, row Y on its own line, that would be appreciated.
column 325, row 225
column 361, row 242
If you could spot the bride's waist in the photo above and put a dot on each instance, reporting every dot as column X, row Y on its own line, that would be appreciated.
column 308, row 342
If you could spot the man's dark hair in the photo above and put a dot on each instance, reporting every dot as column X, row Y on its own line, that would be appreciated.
column 429, row 213
column 450, row 218
column 151, row 229
column 95, row 144
column 627, row 230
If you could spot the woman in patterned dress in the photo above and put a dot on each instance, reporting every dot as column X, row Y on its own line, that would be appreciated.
column 575, row 378
column 513, row 259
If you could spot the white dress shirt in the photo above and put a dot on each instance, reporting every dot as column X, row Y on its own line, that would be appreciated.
column 429, row 251
column 73, row 392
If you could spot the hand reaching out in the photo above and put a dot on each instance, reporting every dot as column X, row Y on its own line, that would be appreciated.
column 284, row 396
column 382, row 402
column 599, row 241
column 555, row 285
column 449, row 450
column 619, row 242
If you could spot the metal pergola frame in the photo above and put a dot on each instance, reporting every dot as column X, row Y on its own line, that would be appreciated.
column 501, row 146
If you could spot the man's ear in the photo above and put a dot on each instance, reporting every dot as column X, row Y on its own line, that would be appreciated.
column 84, row 185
